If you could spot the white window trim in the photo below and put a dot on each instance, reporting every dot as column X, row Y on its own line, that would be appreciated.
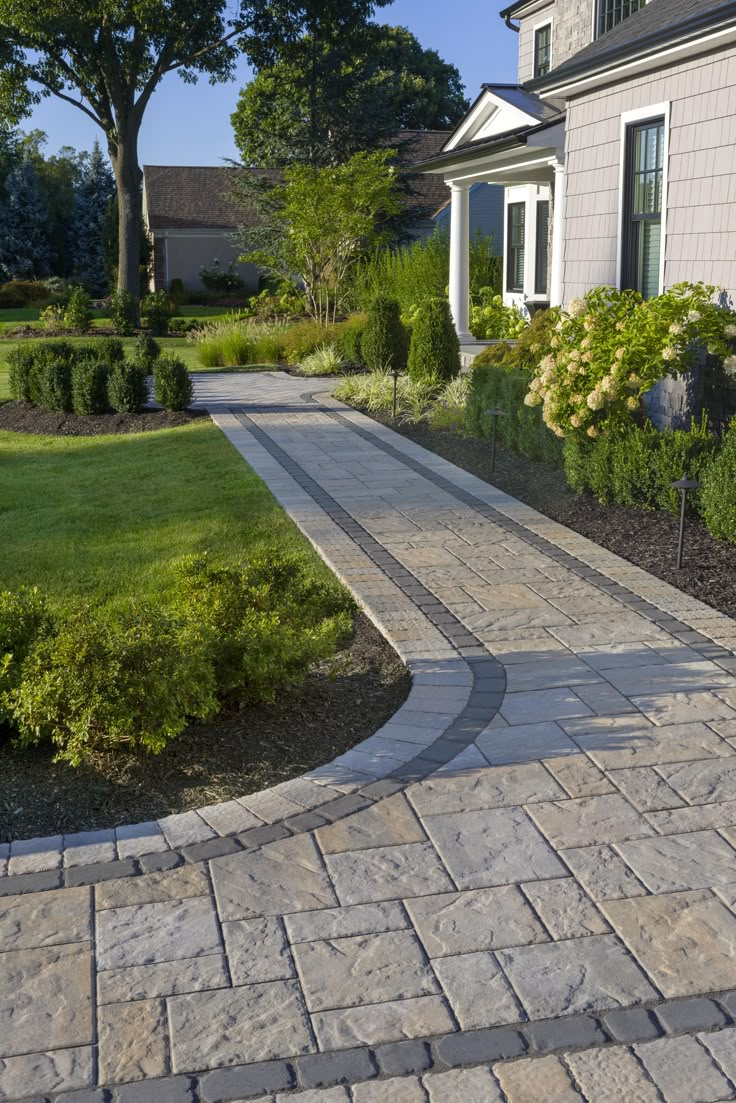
column 549, row 22
column 628, row 118
column 529, row 195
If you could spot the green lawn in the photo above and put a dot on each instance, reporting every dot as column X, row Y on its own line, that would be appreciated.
column 106, row 517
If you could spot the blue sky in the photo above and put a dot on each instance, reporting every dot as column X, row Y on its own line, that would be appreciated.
column 190, row 124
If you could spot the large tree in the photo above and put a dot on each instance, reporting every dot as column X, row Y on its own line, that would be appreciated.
column 107, row 57
column 92, row 202
column 24, row 250
column 355, row 91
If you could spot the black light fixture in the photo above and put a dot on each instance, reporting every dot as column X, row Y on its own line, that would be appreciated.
column 494, row 414
column 683, row 485
column 395, row 373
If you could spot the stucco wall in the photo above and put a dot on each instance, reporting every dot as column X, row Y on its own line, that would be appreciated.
column 572, row 29
column 700, row 241
column 187, row 254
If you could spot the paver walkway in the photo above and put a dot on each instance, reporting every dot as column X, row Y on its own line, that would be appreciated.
column 522, row 889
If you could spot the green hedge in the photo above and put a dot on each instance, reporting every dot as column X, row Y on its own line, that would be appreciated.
column 521, row 428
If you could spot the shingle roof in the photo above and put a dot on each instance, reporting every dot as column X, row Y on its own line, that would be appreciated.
column 656, row 24
column 180, row 197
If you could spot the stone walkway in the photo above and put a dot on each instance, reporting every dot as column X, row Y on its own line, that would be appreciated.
column 521, row 889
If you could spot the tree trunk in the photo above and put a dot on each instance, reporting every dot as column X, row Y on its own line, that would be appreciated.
column 124, row 157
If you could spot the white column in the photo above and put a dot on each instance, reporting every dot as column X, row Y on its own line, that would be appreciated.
column 460, row 261
column 558, row 237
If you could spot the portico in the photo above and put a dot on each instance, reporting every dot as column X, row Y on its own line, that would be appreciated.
column 509, row 137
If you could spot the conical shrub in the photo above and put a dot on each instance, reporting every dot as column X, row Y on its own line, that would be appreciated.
column 434, row 353
column 383, row 344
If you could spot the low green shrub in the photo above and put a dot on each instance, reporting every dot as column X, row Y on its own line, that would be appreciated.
column 24, row 619
column 108, row 350
column 528, row 348
column 52, row 381
column 636, row 464
column 146, row 351
column 348, row 338
column 21, row 361
column 127, row 387
column 78, row 312
column 303, row 338
column 172, row 383
column 156, row 312
column 384, row 342
column 89, row 386
column 123, row 313
column 374, row 393
column 434, row 353
column 323, row 361
column 180, row 327
column 18, row 293
column 96, row 685
column 448, row 408
column 521, row 427
column 718, row 492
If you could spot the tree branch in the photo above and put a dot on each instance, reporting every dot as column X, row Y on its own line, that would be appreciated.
column 200, row 53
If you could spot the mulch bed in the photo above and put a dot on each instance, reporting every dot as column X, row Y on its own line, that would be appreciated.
column 24, row 417
column 339, row 704
column 647, row 539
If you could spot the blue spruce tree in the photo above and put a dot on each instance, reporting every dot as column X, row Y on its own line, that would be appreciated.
column 24, row 226
column 94, row 194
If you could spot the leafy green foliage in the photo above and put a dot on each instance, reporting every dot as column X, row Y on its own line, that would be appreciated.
column 156, row 312
column 384, row 342
column 319, row 223
column 24, row 619
column 78, row 312
column 236, row 341
column 520, row 428
column 20, row 367
column 490, row 319
column 146, row 351
column 108, row 350
column 374, row 393
column 127, row 389
column 303, row 338
column 123, row 312
column 326, row 360
column 349, row 336
column 718, row 493
column 412, row 274
column 52, row 382
column 217, row 278
column 89, row 386
column 17, row 293
column 434, row 352
column 172, row 383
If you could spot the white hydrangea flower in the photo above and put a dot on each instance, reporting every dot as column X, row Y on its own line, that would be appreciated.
column 620, row 353
column 730, row 331
column 669, row 353
column 675, row 328
column 632, row 403
column 576, row 308
column 575, row 356
column 576, row 421
column 694, row 316
column 592, row 431
column 729, row 365
column 595, row 400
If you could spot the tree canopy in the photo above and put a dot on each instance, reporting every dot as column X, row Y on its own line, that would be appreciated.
column 321, row 102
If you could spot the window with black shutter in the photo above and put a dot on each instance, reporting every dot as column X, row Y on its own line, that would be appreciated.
column 541, row 268
column 515, row 241
column 642, row 213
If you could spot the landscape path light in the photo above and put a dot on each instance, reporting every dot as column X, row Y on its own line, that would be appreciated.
column 683, row 485
column 494, row 413
column 395, row 373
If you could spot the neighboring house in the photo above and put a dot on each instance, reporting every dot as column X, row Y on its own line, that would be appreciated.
column 191, row 220
column 617, row 151
column 486, row 214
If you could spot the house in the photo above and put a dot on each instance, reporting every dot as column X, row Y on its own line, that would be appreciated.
column 191, row 220
column 616, row 149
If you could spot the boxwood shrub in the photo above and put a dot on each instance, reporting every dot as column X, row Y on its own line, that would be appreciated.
column 172, row 383
column 521, row 428
column 89, row 387
column 127, row 387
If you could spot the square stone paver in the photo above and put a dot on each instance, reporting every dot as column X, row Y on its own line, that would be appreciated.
column 617, row 746
column 487, row 788
column 387, row 915
column 45, row 919
column 387, row 873
column 533, row 1079
column 257, row 1022
column 697, row 861
column 589, row 821
column 602, row 873
column 478, row 919
column 132, row 1041
column 525, row 743
column 383, row 1022
column 579, row 776
column 167, row 978
column 175, row 884
column 682, row 708
column 646, row 790
column 286, row 876
column 478, row 992
column 703, row 782
column 62, row 1070
column 722, row 1044
column 686, row 941
column 612, row 1076
column 683, row 1071
column 583, row 974
column 461, row 1086
column 400, row 1089
column 257, row 950
column 534, row 706
column 565, row 909
column 145, row 933
column 494, row 847
column 391, row 822
column 350, row 972
column 45, row 999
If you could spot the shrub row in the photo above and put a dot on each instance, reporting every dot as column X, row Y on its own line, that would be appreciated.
column 91, row 379
column 87, row 683
column 521, row 428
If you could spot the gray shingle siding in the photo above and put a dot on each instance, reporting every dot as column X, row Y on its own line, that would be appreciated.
column 571, row 32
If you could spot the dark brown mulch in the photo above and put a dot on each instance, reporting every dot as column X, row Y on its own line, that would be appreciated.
column 647, row 539
column 339, row 704
column 23, row 417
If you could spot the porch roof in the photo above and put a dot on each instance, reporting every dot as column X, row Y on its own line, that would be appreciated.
column 483, row 149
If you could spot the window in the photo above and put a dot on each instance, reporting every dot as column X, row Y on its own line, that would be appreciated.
column 613, row 12
column 642, row 212
column 515, row 246
column 542, row 248
column 542, row 50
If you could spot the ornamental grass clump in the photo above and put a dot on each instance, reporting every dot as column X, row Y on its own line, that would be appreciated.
column 237, row 342
column 611, row 347
column 325, row 360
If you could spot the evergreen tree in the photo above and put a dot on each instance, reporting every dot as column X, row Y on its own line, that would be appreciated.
column 24, row 250
column 94, row 195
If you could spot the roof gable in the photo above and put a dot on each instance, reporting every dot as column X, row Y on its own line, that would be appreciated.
column 499, row 109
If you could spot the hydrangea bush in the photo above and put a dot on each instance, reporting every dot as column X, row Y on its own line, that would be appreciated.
column 611, row 347
column 491, row 319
